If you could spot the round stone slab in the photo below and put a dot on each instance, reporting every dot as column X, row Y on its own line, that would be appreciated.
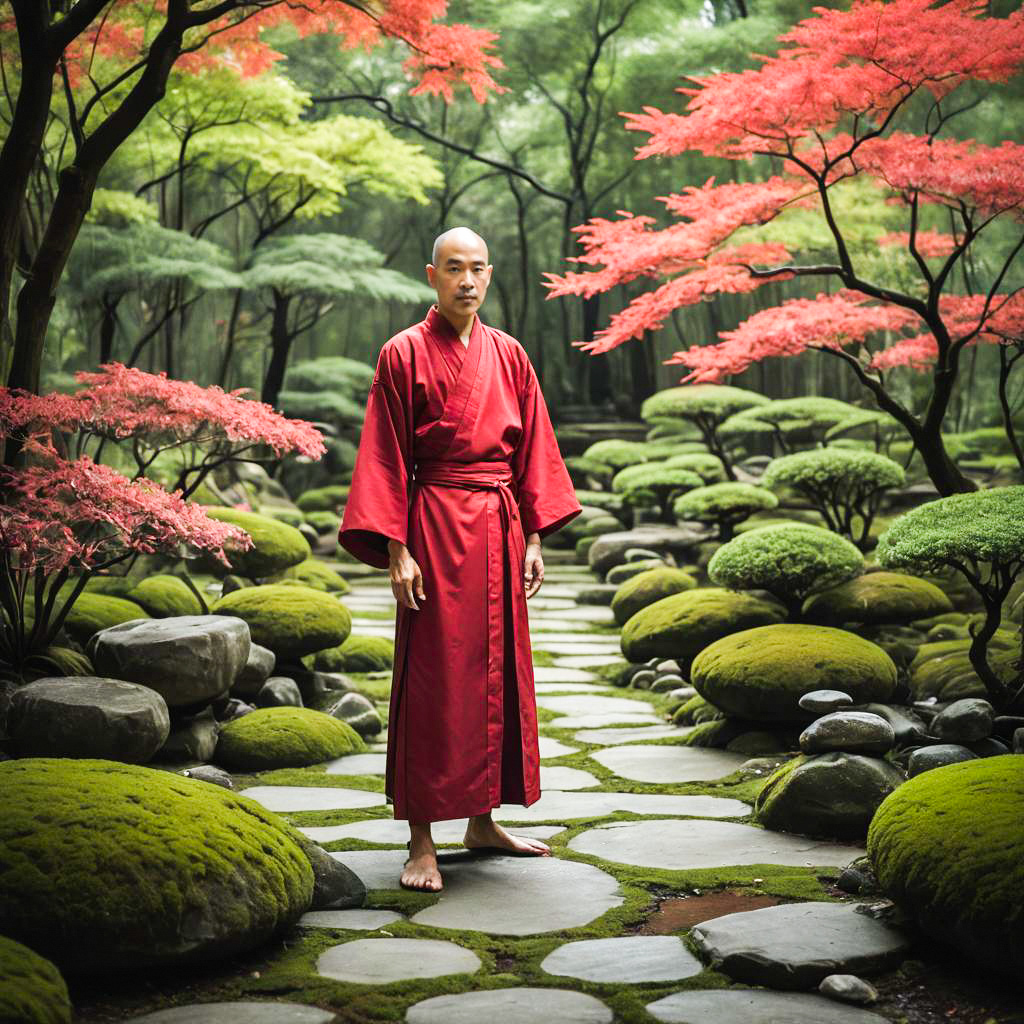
column 796, row 945
column 552, row 748
column 756, row 1006
column 669, row 764
column 396, row 833
column 682, row 845
column 238, row 1013
column 357, row 920
column 312, row 798
column 557, row 806
column 381, row 961
column 632, row 958
column 630, row 734
column 357, row 764
column 511, row 1006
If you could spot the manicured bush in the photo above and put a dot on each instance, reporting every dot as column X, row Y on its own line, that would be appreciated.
column 790, row 562
column 797, row 422
column 653, row 484
column 284, row 737
column 276, row 545
column 618, row 454
column 846, row 487
column 584, row 471
column 647, row 587
column 600, row 499
column 724, row 505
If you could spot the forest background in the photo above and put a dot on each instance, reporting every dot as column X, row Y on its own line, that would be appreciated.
column 255, row 221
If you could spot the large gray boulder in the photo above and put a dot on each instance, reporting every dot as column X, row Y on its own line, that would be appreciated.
column 610, row 548
column 188, row 659
column 86, row 716
column 194, row 739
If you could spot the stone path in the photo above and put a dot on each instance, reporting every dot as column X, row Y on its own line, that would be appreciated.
column 630, row 812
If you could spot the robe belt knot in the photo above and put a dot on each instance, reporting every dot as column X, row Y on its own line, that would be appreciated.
column 492, row 475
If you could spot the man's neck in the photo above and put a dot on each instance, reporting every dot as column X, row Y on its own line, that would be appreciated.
column 463, row 326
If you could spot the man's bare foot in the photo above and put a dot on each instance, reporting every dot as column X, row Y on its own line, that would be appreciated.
column 482, row 832
column 420, row 871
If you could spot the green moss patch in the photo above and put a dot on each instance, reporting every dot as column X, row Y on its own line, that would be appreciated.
column 314, row 573
column 31, row 988
column 647, row 587
column 357, row 654
column 284, row 738
column 877, row 597
column 276, row 545
column 163, row 596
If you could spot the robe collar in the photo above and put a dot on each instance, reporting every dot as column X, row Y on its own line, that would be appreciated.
column 440, row 326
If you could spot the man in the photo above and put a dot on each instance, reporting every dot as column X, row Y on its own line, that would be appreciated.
column 457, row 479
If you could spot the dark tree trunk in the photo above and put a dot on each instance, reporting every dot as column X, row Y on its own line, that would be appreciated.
column 281, row 340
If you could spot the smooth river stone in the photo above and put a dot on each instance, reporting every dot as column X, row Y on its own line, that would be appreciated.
column 559, row 777
column 822, row 702
column 852, row 732
column 356, row 920
column 544, row 674
column 668, row 764
column 392, row 832
column 631, row 734
column 357, row 764
column 588, row 705
column 250, row 1012
column 312, row 798
column 557, row 806
column 511, row 1006
column 382, row 961
column 796, row 945
column 599, row 721
column 553, row 748
column 630, row 958
column 689, row 845
column 755, row 1006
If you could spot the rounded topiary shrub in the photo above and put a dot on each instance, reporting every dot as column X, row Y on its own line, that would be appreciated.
column 948, row 848
column 654, row 484
column 357, row 654
column 708, row 467
column 165, row 595
column 877, row 598
column 618, row 454
column 724, row 505
column 284, row 737
column 761, row 673
column 291, row 620
column 32, row 990
column 788, row 561
column 700, row 404
column 683, row 624
column 647, row 587
column 315, row 574
column 105, row 866
column 276, row 545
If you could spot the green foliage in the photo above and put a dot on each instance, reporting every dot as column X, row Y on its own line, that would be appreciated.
column 115, row 208
column 794, row 421
column 877, row 597
column 707, row 466
column 31, row 988
column 618, row 454
column 647, row 587
column 276, row 545
column 724, row 504
column 284, row 738
column 653, row 483
column 788, row 561
column 699, row 402
column 332, row 389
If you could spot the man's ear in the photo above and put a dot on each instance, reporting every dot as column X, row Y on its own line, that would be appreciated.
column 431, row 271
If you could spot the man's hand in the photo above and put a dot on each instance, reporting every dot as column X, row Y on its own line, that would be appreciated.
column 406, row 578
column 533, row 565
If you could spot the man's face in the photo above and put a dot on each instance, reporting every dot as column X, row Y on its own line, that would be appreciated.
column 460, row 277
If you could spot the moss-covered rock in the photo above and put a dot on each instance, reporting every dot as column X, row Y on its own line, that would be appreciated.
column 32, row 990
column 166, row 595
column 948, row 847
column 357, row 654
column 284, row 737
column 314, row 573
column 106, row 866
column 696, row 711
column 683, row 624
column 761, row 673
column 323, row 522
column 290, row 620
column 92, row 612
column 647, row 587
column 877, row 598
column 323, row 499
column 276, row 545
column 284, row 513
column 943, row 669
column 618, row 574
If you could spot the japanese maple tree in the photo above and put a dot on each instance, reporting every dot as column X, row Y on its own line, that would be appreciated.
column 861, row 95
column 105, row 64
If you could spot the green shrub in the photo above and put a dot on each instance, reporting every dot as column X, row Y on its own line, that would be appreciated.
column 788, row 561
column 653, row 484
column 707, row 466
column 284, row 738
column 647, row 587
column 600, row 499
column 583, row 470
column 796, row 422
column 724, row 505
column 276, row 545
column 618, row 454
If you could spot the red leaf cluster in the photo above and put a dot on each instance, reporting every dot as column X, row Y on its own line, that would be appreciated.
column 929, row 244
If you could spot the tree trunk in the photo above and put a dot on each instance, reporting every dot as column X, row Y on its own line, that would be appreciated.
column 280, row 347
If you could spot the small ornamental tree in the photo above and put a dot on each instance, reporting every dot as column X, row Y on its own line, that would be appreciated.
column 619, row 454
column 707, row 466
column 724, row 505
column 878, row 428
column 707, row 406
column 861, row 97
column 654, row 484
column 846, row 487
column 981, row 536
column 794, row 422
column 790, row 561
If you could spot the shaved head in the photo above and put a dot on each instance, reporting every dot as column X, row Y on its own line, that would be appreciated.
column 460, row 236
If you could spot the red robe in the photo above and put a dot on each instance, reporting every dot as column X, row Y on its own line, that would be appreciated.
column 458, row 460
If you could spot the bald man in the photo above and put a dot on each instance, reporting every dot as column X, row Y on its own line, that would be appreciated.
column 457, row 479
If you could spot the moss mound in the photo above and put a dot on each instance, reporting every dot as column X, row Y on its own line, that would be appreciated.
column 948, row 847
column 647, row 587
column 93, row 612
column 314, row 573
column 284, row 738
column 276, row 545
column 291, row 620
column 357, row 654
column 164, row 595
column 761, row 673
column 106, row 865
column 31, row 988
column 943, row 669
column 878, row 598
column 323, row 499
column 323, row 522
column 684, row 624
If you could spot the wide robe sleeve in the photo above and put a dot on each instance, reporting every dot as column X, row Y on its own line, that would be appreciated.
column 546, row 497
column 377, row 509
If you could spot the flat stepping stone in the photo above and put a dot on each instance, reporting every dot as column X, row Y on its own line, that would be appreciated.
column 544, row 674
column 796, row 945
column 669, row 764
column 389, row 832
column 498, row 894
column 688, row 845
column 250, row 1012
column 756, row 1006
column 606, row 650
column 357, row 920
column 595, row 613
column 377, row 627
column 382, row 961
column 570, row 687
column 542, row 603
column 589, row 705
column 554, row 805
column 632, row 958
column 553, row 748
column 600, row 720
column 511, row 1006
column 583, row 660
column 631, row 734
column 548, row 623
column 313, row 798
column 358, row 764
column 559, row 777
